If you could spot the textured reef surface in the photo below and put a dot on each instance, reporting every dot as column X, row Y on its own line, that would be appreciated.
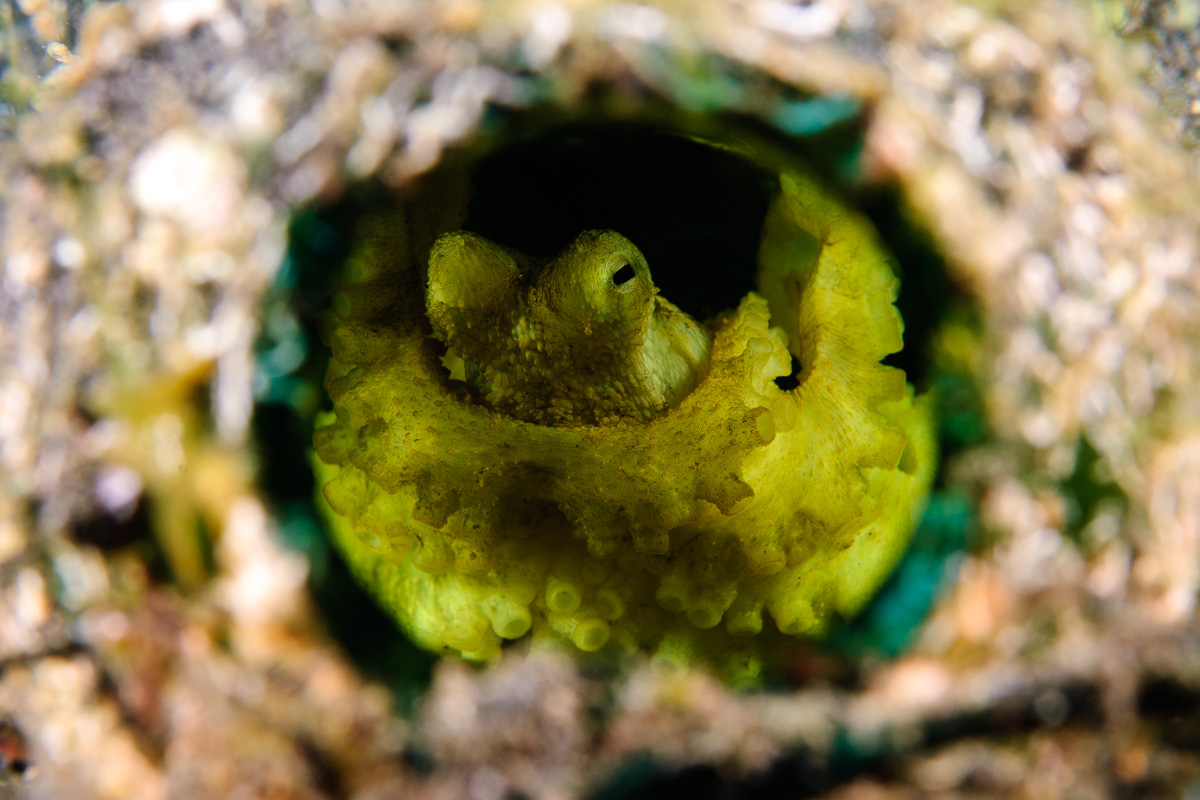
column 551, row 467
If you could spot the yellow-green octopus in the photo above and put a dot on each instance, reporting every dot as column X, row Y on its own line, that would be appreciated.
column 521, row 445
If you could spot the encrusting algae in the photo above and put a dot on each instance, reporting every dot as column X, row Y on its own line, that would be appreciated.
column 550, row 446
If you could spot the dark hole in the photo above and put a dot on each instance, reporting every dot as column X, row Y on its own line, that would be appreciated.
column 1077, row 158
column 1163, row 697
column 323, row 770
column 623, row 275
column 113, row 530
column 792, row 379
column 695, row 211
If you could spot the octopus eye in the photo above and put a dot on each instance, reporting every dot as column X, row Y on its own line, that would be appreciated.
column 623, row 275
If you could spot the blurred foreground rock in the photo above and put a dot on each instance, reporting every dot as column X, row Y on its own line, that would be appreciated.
column 146, row 195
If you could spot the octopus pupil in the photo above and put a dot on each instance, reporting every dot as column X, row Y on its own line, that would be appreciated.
column 623, row 275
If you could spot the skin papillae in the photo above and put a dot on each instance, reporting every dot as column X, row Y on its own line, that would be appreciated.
column 700, row 514
column 583, row 339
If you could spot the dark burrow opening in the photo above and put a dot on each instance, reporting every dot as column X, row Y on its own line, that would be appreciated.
column 695, row 209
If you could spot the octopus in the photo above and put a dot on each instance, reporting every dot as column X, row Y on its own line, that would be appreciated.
column 583, row 338
column 549, row 448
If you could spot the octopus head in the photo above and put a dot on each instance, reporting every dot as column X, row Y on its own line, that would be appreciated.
column 600, row 284
column 581, row 338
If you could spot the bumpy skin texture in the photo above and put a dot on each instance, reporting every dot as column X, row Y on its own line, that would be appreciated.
column 583, row 339
column 715, row 530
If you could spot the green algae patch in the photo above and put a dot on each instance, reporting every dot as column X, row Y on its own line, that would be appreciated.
column 714, row 529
